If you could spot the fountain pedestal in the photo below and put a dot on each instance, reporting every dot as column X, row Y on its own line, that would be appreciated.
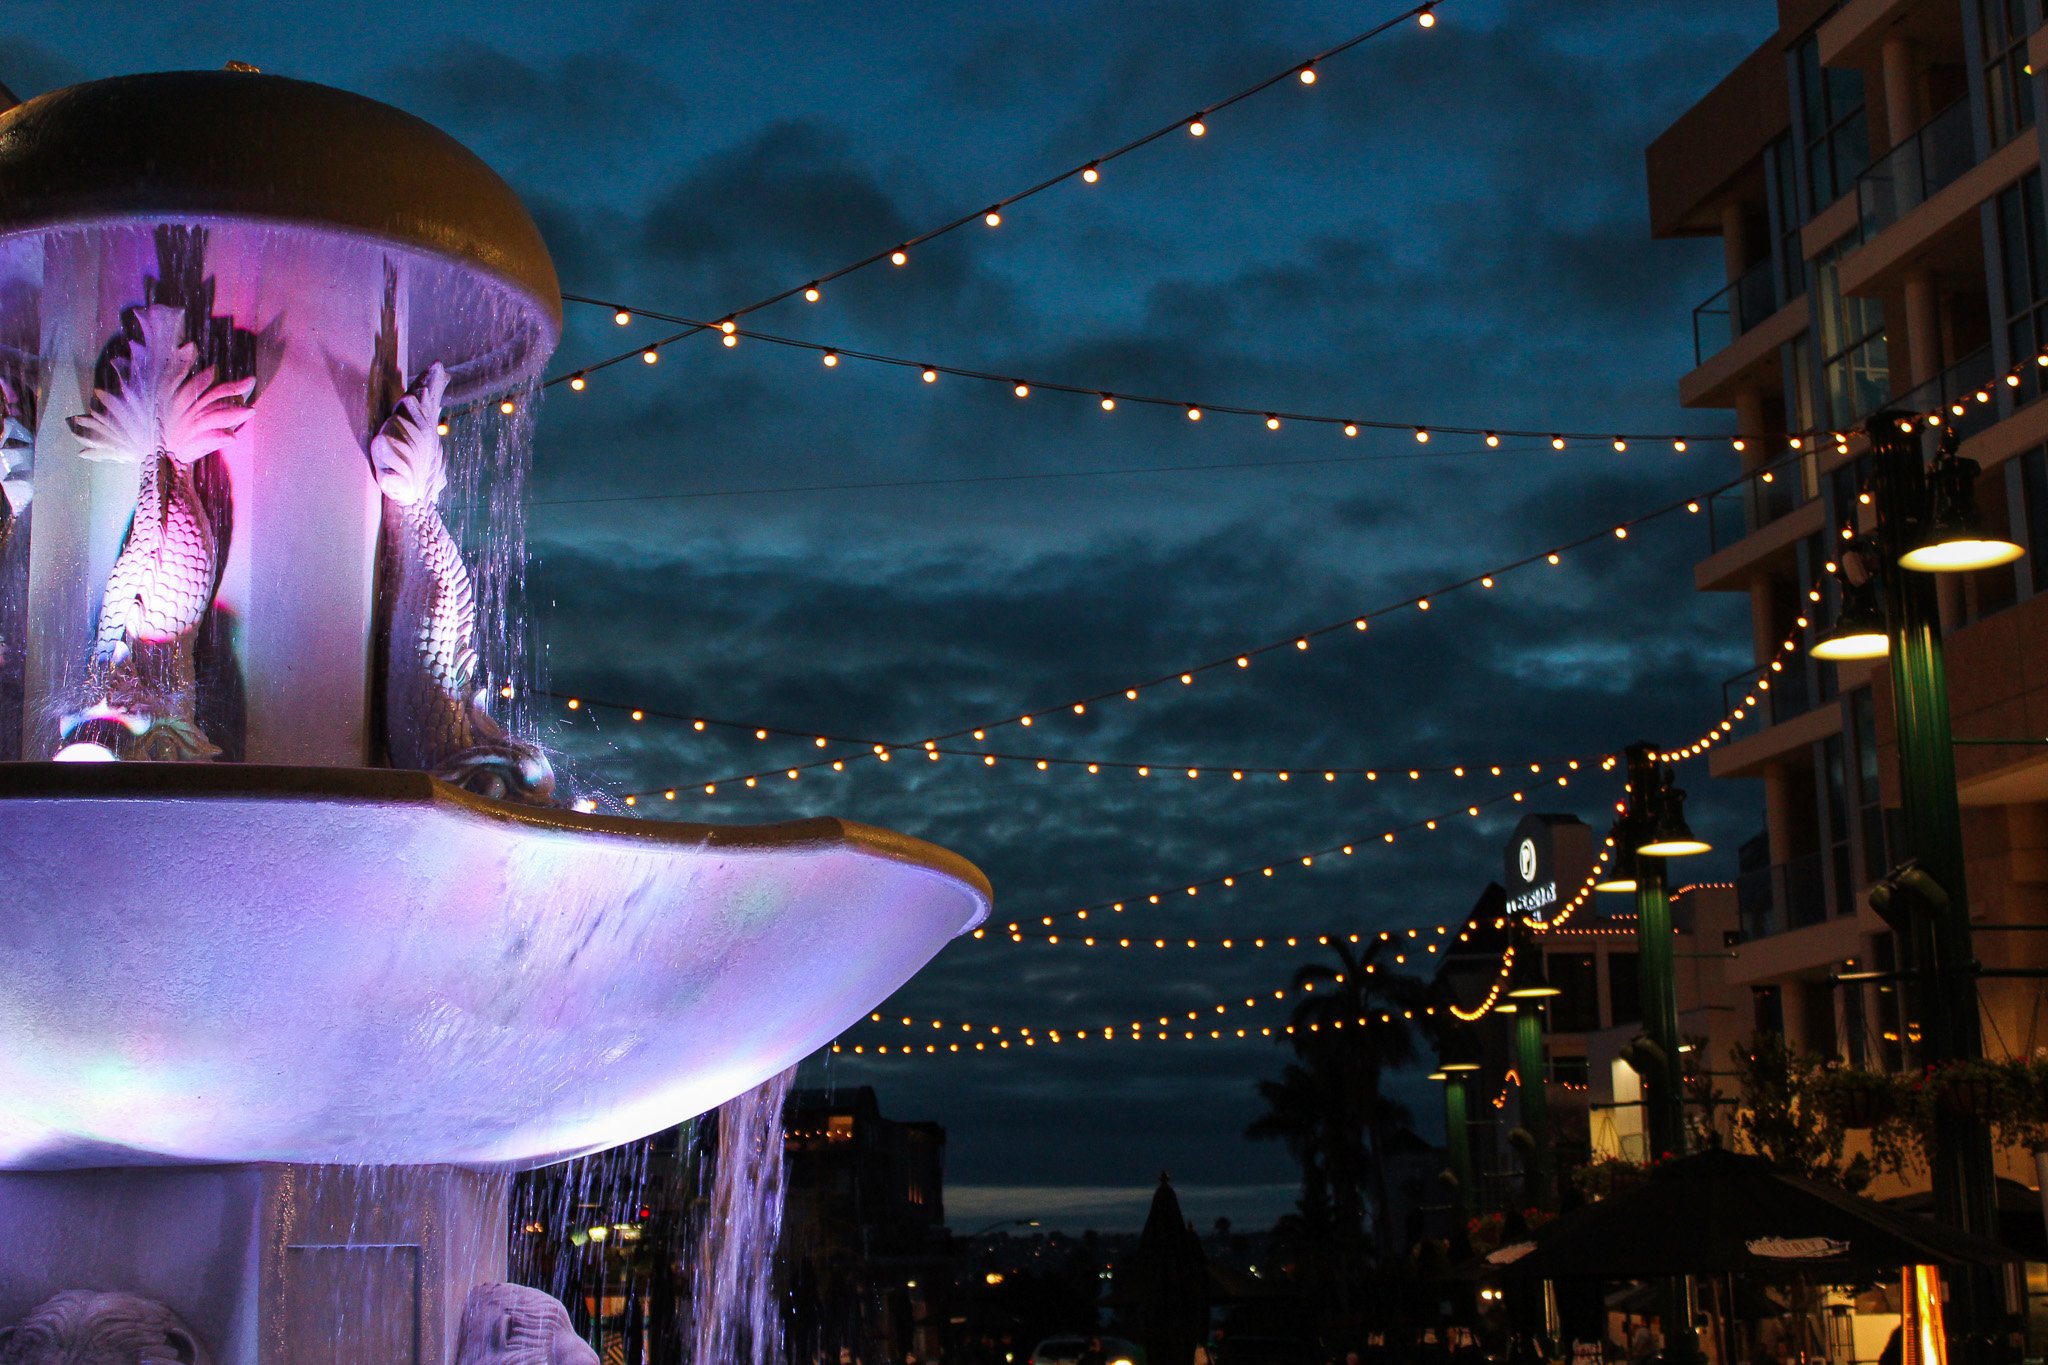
column 268, row 1264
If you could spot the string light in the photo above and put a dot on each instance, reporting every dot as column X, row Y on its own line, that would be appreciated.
column 1350, row 425
column 1240, row 659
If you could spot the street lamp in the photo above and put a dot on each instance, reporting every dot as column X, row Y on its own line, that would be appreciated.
column 1621, row 868
column 1927, row 522
column 1858, row 631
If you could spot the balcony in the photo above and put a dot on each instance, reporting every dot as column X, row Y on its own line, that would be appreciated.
column 1917, row 169
column 1759, row 500
column 1732, row 311
column 1787, row 895
column 1954, row 392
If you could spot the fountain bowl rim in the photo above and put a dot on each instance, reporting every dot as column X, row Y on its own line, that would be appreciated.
column 389, row 786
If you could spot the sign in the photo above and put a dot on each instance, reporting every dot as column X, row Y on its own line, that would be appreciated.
column 1545, row 852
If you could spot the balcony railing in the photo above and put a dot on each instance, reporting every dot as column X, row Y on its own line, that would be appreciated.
column 1789, row 695
column 1917, row 169
column 1959, row 387
column 1735, row 309
column 1788, row 895
column 1760, row 499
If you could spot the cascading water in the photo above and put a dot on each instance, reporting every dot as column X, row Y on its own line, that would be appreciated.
column 735, row 1310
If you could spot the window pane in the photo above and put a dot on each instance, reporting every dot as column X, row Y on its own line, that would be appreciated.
column 1624, row 989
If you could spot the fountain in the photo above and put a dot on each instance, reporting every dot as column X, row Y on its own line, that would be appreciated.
column 304, row 947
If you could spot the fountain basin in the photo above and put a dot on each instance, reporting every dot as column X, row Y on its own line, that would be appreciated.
column 245, row 963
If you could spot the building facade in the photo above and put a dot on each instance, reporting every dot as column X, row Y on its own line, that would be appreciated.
column 1873, row 171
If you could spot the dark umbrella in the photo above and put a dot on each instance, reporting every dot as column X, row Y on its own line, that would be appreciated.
column 1718, row 1213
column 1173, row 1283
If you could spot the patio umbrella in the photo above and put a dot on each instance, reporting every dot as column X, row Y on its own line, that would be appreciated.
column 1718, row 1213
column 1173, row 1283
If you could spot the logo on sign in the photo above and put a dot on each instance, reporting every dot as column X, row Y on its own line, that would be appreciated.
column 1526, row 859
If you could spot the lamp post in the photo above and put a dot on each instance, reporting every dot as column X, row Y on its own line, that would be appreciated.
column 1926, row 524
column 1457, row 1059
column 1652, row 830
column 1530, row 988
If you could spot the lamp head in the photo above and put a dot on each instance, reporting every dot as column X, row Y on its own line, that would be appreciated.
column 1671, row 837
column 1955, row 540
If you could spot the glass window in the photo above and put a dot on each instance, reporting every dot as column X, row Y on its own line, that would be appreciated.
column 2023, row 255
column 2034, row 487
column 1832, row 125
column 1624, row 989
column 1864, row 791
column 1856, row 375
column 1782, row 179
column 1576, row 1007
column 2008, row 79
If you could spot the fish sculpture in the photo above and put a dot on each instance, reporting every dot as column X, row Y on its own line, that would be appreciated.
column 165, row 414
column 83, row 1327
column 510, row 1324
column 17, row 459
column 437, row 719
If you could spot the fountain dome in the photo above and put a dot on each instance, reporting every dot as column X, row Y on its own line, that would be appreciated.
column 241, row 146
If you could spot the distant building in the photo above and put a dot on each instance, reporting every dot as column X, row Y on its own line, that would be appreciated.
column 864, row 1232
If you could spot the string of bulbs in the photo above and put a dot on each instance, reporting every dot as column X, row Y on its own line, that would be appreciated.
column 1303, row 72
column 1725, row 727
column 1110, row 398
column 935, row 746
column 1163, row 1028
column 1257, row 873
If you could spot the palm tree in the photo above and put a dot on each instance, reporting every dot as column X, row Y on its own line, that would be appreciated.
column 1355, row 1023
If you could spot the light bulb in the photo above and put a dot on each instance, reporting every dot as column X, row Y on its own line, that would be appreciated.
column 1426, row 19
column 622, row 317
column 1350, row 428
column 992, row 218
column 1272, row 422
column 1108, row 403
column 1621, row 533
column 831, row 359
column 1492, row 439
column 1678, row 446
column 506, row 407
column 1091, row 173
column 1620, row 444
column 931, row 376
column 1197, row 127
column 1422, row 435
column 1557, row 443
column 1194, row 414
column 1308, row 75
column 1022, row 390
column 731, row 342
column 440, row 428
column 576, row 382
column 899, row 257
column 650, row 355
column 810, row 293
column 729, row 326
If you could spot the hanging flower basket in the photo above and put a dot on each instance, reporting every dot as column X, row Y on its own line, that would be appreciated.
column 1968, row 1094
column 1865, row 1108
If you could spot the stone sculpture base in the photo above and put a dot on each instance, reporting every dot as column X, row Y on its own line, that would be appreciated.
column 268, row 1264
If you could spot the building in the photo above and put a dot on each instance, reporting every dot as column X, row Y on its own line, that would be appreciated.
column 1873, row 170
column 863, row 1230
column 1590, row 955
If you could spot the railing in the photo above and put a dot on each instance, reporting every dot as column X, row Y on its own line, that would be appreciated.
column 1956, row 387
column 1733, row 310
column 1789, row 695
column 1917, row 169
column 1788, row 895
column 1759, row 500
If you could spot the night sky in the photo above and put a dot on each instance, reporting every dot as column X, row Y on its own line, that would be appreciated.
column 1449, row 226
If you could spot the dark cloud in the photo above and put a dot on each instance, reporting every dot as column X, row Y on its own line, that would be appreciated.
column 1448, row 228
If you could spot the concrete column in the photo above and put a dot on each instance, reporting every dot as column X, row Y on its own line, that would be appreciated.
column 1779, row 794
column 1735, row 240
column 1751, row 420
column 1901, row 90
column 1923, row 328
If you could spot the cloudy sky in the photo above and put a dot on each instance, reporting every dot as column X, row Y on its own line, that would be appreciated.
column 1447, row 227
